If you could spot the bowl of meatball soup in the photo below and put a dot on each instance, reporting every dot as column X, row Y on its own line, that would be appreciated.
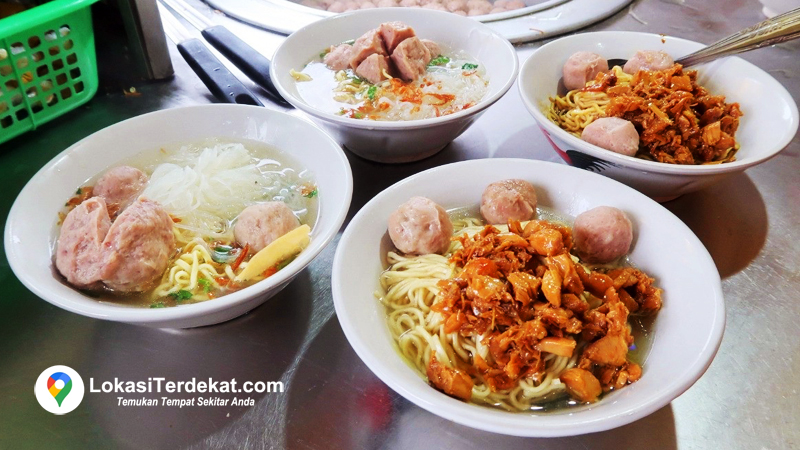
column 394, row 85
column 527, row 298
column 199, row 215
column 654, row 125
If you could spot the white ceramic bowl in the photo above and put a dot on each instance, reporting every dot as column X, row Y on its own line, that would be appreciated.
column 769, row 123
column 397, row 141
column 686, row 334
column 31, row 229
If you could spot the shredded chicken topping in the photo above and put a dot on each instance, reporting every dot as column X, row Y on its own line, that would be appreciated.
column 678, row 120
column 525, row 295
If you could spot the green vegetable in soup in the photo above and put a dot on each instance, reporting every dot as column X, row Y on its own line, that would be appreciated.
column 439, row 61
column 469, row 66
column 205, row 285
column 371, row 92
column 181, row 295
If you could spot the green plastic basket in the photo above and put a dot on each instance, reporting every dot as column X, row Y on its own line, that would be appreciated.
column 47, row 64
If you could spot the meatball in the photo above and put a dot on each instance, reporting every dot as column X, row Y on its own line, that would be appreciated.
column 337, row 7
column 508, row 199
column 602, row 234
column 78, row 253
column 648, row 60
column 138, row 247
column 258, row 225
column 420, row 226
column 120, row 186
column 613, row 133
column 582, row 67
column 455, row 5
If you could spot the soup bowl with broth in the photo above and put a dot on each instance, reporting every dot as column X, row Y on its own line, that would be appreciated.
column 394, row 141
column 230, row 147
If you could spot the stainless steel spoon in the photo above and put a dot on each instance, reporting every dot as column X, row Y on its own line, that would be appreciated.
column 782, row 28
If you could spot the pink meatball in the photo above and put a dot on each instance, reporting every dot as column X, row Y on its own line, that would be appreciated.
column 456, row 5
column 613, row 133
column 138, row 247
column 508, row 199
column 259, row 225
column 648, row 60
column 420, row 226
column 337, row 7
column 120, row 186
column 602, row 234
column 78, row 254
column 582, row 67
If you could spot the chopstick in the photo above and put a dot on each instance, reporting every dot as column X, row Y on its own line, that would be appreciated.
column 243, row 56
column 217, row 78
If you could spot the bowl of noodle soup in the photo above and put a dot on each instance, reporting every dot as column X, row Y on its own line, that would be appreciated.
column 768, row 123
column 205, row 164
column 396, row 141
column 680, row 344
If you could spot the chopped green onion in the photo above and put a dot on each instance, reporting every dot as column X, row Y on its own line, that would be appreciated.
column 311, row 194
column 356, row 80
column 223, row 249
column 204, row 284
column 78, row 192
column 371, row 92
column 158, row 305
column 439, row 61
column 358, row 115
column 469, row 66
column 181, row 295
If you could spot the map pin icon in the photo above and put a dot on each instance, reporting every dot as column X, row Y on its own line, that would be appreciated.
column 59, row 393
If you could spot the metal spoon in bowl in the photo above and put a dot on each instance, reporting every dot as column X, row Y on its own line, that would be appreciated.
column 782, row 28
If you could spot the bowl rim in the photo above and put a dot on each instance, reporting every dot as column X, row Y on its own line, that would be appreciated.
column 489, row 17
column 529, row 71
column 114, row 312
column 397, row 124
column 481, row 417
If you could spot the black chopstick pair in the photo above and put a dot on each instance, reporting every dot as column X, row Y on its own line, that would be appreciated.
column 217, row 78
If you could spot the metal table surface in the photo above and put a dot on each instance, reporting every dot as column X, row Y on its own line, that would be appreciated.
column 750, row 224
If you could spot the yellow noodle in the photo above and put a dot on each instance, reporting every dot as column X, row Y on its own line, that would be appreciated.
column 577, row 109
column 193, row 263
column 408, row 289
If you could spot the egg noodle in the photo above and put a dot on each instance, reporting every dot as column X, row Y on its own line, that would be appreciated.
column 577, row 109
column 193, row 264
column 409, row 289
column 194, row 270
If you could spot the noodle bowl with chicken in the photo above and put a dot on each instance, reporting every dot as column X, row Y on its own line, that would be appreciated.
column 651, row 109
column 532, row 315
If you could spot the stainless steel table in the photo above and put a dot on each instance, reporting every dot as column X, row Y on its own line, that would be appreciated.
column 750, row 223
